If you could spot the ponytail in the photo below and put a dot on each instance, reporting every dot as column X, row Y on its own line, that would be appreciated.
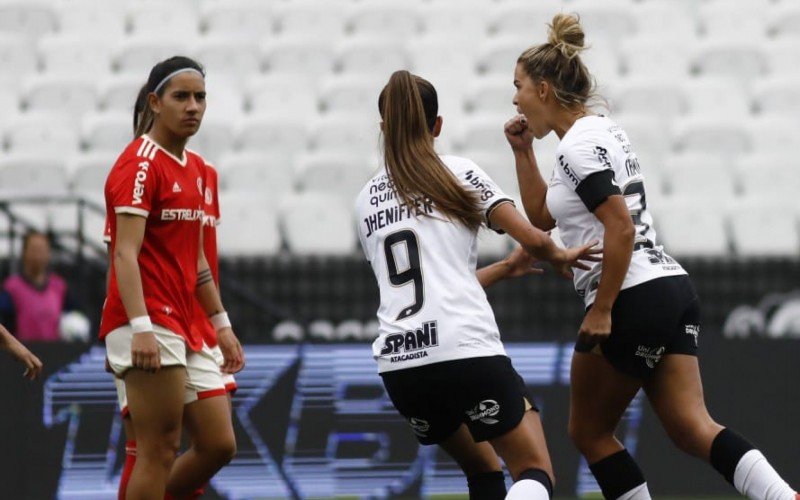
column 142, row 114
column 408, row 107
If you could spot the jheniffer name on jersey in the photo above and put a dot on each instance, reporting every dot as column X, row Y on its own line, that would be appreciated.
column 411, row 342
column 390, row 215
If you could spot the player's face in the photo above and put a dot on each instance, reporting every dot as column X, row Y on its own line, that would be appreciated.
column 181, row 107
column 37, row 254
column 529, row 102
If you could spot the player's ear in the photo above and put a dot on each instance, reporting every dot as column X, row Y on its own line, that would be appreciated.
column 542, row 89
column 437, row 126
column 154, row 102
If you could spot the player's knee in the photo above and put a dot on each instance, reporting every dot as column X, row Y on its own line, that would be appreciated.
column 585, row 437
column 220, row 450
column 692, row 435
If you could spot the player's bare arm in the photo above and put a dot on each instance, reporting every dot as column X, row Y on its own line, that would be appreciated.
column 515, row 264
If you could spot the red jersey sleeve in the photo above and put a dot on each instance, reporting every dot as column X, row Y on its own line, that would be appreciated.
column 107, row 231
column 132, row 186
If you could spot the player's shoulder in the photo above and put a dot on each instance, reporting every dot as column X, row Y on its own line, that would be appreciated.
column 457, row 164
column 586, row 134
column 379, row 182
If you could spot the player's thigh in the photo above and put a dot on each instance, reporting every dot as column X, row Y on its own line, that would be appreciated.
column 155, row 401
column 524, row 447
column 599, row 395
column 676, row 394
column 472, row 457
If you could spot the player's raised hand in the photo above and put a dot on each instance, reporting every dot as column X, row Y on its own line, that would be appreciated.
column 518, row 135
column 231, row 351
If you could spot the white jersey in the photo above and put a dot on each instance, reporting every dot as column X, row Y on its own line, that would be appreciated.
column 594, row 160
column 432, row 306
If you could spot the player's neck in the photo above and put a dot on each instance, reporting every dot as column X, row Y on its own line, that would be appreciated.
column 566, row 119
column 171, row 143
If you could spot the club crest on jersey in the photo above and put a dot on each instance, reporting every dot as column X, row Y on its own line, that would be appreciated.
column 651, row 355
column 479, row 184
column 694, row 331
column 412, row 342
column 419, row 426
column 209, row 198
column 200, row 186
column 138, row 182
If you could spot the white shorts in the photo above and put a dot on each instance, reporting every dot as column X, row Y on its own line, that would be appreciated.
column 203, row 378
column 227, row 378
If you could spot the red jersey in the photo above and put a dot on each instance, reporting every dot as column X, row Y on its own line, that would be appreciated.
column 201, row 323
column 150, row 182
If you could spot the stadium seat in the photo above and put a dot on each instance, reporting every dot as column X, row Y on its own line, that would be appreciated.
column 118, row 92
column 353, row 94
column 17, row 54
column 748, row 21
column 602, row 58
column 270, row 135
column 648, row 56
column 687, row 227
column 75, row 55
column 716, row 96
column 392, row 21
column 248, row 226
column 518, row 20
column 777, row 96
column 317, row 223
column 784, row 21
column 732, row 58
column 457, row 23
column 649, row 134
column 764, row 175
column 613, row 18
column 298, row 56
column 345, row 133
column 66, row 94
column 712, row 135
column 154, row 18
column 10, row 101
column 281, row 95
column 498, row 165
column 88, row 173
column 106, row 132
column 484, row 131
column 372, row 56
column 225, row 100
column 764, row 227
column 493, row 245
column 772, row 134
column 216, row 136
column 38, row 132
column 248, row 18
column 227, row 56
column 643, row 95
column 137, row 55
column 783, row 56
column 666, row 20
column 342, row 174
column 499, row 55
column 253, row 174
column 492, row 94
column 321, row 21
column 713, row 184
column 32, row 174
column 104, row 19
column 31, row 18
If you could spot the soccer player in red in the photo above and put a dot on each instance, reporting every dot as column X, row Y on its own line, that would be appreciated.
column 155, row 207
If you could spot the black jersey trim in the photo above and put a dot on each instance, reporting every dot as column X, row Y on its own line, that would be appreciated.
column 596, row 188
column 491, row 208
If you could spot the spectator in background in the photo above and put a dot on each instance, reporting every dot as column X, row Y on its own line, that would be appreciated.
column 32, row 302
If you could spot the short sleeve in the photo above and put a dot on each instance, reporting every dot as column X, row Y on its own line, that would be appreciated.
column 132, row 186
column 107, row 231
column 587, row 168
column 490, row 196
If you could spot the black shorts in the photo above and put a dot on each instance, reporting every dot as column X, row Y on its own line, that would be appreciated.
column 485, row 393
column 649, row 321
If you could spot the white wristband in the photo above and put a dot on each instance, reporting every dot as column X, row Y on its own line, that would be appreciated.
column 141, row 324
column 220, row 321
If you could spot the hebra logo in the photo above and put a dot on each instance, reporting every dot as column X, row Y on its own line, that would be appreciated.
column 651, row 355
column 484, row 411
column 412, row 342
column 138, row 182
column 419, row 426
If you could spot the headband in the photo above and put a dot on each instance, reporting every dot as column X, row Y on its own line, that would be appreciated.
column 176, row 72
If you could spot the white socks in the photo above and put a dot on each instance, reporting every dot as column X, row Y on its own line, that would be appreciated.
column 528, row 489
column 638, row 493
column 756, row 479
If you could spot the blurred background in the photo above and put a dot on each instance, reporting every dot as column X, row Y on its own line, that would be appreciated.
column 708, row 91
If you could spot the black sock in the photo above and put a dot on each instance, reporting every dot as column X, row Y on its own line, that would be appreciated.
column 540, row 476
column 487, row 486
column 617, row 474
column 726, row 451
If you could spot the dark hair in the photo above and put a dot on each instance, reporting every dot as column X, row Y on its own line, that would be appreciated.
column 142, row 114
column 408, row 107
column 558, row 61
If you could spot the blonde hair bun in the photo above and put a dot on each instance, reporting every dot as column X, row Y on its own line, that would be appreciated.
column 566, row 35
